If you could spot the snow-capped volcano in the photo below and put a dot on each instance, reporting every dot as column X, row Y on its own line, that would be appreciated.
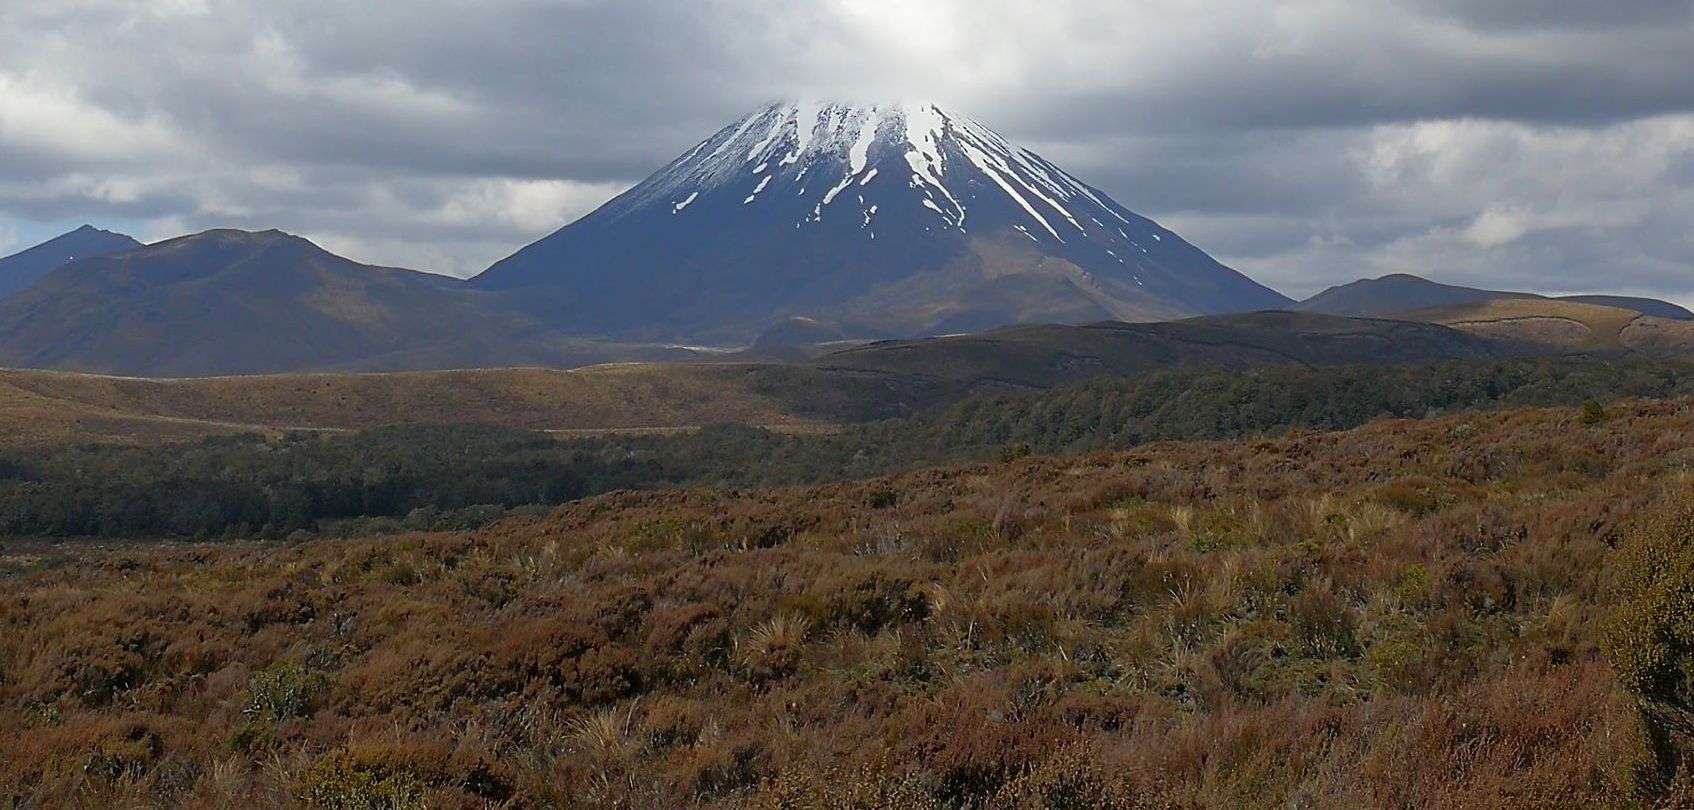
column 886, row 219
column 827, row 154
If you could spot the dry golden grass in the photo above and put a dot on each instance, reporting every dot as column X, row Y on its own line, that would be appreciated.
column 39, row 407
column 1566, row 325
column 29, row 416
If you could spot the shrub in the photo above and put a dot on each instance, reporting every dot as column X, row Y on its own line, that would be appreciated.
column 867, row 788
column 1593, row 413
column 341, row 781
column 605, row 674
column 1651, row 636
column 283, row 691
column 1013, row 452
column 126, row 752
column 1071, row 779
column 1651, row 639
column 400, row 771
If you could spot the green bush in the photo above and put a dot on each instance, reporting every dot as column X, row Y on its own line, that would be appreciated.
column 1651, row 640
column 1593, row 413
column 1013, row 452
column 341, row 782
column 283, row 691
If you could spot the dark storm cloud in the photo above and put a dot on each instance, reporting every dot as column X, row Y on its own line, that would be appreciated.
column 1528, row 141
column 1517, row 15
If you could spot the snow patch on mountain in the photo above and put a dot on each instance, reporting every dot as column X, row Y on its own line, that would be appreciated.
column 951, row 161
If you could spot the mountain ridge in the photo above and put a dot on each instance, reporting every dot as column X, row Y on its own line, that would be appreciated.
column 237, row 302
column 22, row 269
column 1403, row 293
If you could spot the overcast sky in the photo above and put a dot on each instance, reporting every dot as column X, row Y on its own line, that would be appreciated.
column 1530, row 144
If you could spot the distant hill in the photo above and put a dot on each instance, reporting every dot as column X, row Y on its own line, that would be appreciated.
column 20, row 270
column 1402, row 292
column 1567, row 326
column 1043, row 356
column 1645, row 306
column 1395, row 293
column 234, row 302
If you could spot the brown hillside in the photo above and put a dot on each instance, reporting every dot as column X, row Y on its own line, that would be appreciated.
column 38, row 406
column 233, row 302
column 1566, row 325
column 1412, row 614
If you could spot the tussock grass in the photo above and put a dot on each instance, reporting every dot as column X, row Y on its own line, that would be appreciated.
column 1386, row 617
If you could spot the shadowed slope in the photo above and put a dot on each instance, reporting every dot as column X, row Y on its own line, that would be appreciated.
column 233, row 302
column 1400, row 293
column 1043, row 356
column 20, row 270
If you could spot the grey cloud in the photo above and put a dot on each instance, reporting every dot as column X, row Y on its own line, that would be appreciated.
column 1520, row 15
column 1282, row 136
column 1289, row 172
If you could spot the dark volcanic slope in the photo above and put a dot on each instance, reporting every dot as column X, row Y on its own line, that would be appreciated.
column 1044, row 356
column 1395, row 293
column 1645, row 306
column 232, row 302
column 883, row 221
column 1402, row 293
column 20, row 270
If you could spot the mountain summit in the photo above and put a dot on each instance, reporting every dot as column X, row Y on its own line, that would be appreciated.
column 886, row 220
column 19, row 271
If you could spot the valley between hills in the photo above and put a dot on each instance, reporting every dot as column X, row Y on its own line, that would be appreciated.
column 833, row 386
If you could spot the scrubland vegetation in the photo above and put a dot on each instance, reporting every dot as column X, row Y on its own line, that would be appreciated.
column 1474, row 611
column 452, row 478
